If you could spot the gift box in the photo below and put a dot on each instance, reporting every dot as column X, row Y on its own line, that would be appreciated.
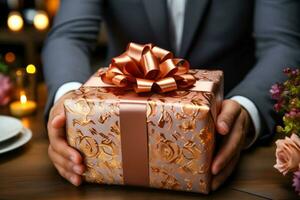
column 160, row 137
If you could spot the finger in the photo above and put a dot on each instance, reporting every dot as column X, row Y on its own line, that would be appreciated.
column 60, row 145
column 59, row 121
column 65, row 163
column 73, row 178
column 229, row 112
column 55, row 110
column 230, row 146
column 56, row 126
column 225, row 173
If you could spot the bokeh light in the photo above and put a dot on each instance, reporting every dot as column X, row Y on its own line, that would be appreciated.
column 41, row 20
column 30, row 69
column 19, row 72
column 15, row 21
column 9, row 57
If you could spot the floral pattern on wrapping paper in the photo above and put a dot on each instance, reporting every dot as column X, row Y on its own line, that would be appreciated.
column 88, row 132
column 180, row 148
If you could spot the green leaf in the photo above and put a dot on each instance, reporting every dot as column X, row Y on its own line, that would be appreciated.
column 3, row 68
column 287, row 129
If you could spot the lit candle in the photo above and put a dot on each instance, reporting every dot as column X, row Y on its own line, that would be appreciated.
column 23, row 107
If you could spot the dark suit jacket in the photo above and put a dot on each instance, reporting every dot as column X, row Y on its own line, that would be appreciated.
column 251, row 41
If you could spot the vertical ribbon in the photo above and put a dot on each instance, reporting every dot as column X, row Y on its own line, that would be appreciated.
column 134, row 142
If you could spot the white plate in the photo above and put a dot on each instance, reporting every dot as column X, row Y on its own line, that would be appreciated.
column 9, row 127
column 17, row 141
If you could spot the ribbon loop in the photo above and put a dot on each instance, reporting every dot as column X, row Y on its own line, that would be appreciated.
column 147, row 68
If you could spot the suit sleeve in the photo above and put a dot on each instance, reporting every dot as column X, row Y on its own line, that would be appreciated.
column 277, row 37
column 66, row 53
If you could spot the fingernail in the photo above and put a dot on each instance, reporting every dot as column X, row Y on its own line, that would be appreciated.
column 214, row 171
column 73, row 180
column 77, row 169
column 72, row 158
column 224, row 126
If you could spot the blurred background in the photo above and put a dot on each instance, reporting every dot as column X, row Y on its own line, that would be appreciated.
column 24, row 25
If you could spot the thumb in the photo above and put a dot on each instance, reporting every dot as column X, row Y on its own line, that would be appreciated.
column 59, row 120
column 229, row 112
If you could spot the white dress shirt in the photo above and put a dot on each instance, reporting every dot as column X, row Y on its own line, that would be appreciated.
column 176, row 10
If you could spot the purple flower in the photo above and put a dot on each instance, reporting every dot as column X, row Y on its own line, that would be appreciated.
column 287, row 71
column 5, row 89
column 276, row 91
column 296, row 182
column 291, row 72
column 295, row 72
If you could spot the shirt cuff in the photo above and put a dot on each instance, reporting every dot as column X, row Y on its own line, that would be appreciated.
column 254, row 115
column 65, row 88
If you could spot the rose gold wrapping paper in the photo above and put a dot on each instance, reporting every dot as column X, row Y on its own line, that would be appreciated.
column 180, row 132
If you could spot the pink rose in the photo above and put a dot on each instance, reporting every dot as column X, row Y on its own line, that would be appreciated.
column 5, row 89
column 288, row 154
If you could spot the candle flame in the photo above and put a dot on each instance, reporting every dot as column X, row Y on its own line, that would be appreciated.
column 23, row 98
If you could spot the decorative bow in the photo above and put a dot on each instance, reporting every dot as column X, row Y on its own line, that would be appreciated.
column 146, row 68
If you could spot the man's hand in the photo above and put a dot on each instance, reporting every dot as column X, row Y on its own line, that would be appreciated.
column 67, row 160
column 233, row 123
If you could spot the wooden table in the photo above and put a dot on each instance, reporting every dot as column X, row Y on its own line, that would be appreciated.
column 27, row 173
